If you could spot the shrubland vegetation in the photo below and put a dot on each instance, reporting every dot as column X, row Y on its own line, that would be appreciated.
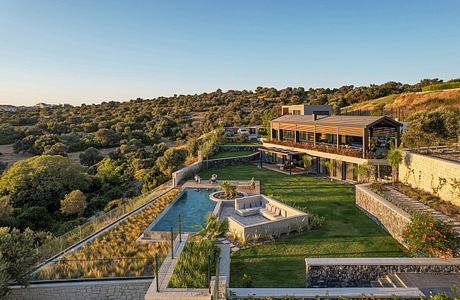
column 451, row 84
column 432, row 128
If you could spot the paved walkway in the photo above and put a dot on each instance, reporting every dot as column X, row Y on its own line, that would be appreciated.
column 419, row 208
column 431, row 283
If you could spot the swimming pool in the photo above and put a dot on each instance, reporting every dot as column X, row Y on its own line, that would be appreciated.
column 193, row 205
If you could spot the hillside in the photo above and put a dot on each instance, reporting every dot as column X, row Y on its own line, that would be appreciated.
column 409, row 102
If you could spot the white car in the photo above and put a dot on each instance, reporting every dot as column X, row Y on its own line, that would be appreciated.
column 243, row 131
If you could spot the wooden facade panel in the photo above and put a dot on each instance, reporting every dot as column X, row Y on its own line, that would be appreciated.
column 287, row 126
column 305, row 127
column 326, row 129
column 351, row 131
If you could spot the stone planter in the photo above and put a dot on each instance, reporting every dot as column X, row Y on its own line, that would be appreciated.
column 213, row 197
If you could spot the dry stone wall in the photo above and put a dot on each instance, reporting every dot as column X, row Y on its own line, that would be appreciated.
column 390, row 217
column 359, row 272
column 93, row 290
column 434, row 175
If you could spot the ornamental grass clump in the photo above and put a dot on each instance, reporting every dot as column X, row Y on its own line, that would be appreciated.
column 115, row 253
column 428, row 237
column 191, row 271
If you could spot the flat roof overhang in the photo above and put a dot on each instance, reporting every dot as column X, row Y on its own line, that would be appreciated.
column 280, row 151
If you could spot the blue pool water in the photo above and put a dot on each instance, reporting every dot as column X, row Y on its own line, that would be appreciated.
column 193, row 205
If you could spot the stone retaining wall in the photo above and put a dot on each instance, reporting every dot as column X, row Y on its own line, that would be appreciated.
column 390, row 217
column 223, row 162
column 431, row 174
column 238, row 148
column 186, row 172
column 89, row 290
column 359, row 272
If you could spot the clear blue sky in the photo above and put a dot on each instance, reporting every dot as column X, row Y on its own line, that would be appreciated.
column 92, row 51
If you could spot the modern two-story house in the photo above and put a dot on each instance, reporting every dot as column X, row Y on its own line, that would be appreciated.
column 346, row 140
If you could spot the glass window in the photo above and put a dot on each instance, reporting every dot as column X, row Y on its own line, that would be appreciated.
column 305, row 136
column 288, row 134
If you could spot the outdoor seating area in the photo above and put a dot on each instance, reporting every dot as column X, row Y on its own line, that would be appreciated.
column 260, row 214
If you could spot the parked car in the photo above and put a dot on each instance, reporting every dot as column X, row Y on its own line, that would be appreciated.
column 243, row 131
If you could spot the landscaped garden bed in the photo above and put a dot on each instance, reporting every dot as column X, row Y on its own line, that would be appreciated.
column 348, row 232
column 191, row 270
column 115, row 253
column 432, row 201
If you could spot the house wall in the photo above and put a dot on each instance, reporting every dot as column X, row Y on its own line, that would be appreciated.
column 433, row 175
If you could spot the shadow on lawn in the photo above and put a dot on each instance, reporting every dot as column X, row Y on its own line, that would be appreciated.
column 321, row 255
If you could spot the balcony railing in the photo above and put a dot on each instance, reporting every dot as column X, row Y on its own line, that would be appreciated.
column 321, row 147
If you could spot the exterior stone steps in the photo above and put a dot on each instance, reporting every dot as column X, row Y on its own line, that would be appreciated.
column 419, row 207
column 385, row 283
column 394, row 279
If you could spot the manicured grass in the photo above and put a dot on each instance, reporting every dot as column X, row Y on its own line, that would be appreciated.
column 231, row 154
column 348, row 231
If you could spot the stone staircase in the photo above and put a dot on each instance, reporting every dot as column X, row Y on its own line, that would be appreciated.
column 389, row 281
column 420, row 208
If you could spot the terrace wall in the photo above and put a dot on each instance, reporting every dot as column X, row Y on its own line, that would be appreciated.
column 294, row 218
column 88, row 290
column 223, row 162
column 186, row 172
column 359, row 272
column 390, row 217
column 238, row 148
column 431, row 174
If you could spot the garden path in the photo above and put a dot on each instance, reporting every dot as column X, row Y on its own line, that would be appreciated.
column 419, row 208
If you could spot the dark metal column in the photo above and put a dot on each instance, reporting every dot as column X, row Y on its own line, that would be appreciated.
column 290, row 164
column 261, row 158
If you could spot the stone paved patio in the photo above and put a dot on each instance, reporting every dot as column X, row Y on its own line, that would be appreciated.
column 419, row 207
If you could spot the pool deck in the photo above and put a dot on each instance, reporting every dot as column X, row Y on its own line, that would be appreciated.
column 206, row 185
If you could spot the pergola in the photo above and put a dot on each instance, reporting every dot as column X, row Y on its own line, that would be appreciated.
column 289, row 153
column 354, row 126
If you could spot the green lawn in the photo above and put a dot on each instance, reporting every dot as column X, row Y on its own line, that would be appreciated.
column 231, row 154
column 348, row 232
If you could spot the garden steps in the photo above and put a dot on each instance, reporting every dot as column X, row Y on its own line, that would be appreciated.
column 419, row 207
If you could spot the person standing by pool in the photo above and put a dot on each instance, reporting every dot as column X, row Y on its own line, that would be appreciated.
column 213, row 179
column 197, row 178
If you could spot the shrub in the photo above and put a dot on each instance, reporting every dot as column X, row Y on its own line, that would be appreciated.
column 428, row 237
column 246, row 281
column 74, row 203
column 316, row 221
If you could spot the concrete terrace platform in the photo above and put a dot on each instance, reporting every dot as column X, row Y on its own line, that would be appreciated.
column 431, row 283
column 206, row 185
column 229, row 211
column 330, row 292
